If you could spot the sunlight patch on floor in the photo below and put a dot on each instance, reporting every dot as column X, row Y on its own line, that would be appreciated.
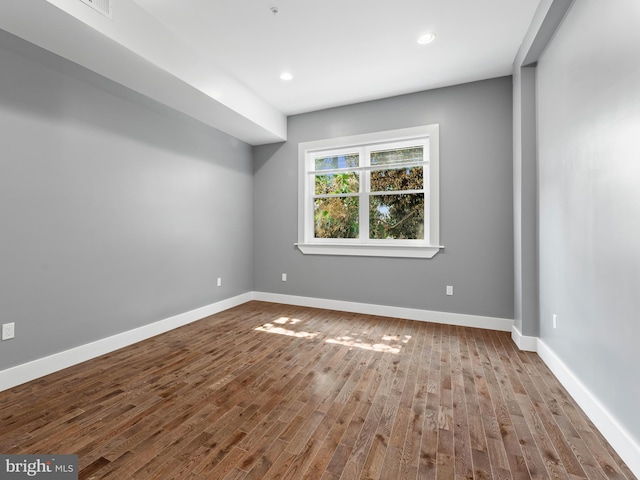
column 271, row 328
column 387, row 344
column 268, row 327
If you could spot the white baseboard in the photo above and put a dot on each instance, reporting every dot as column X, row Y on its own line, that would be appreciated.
column 616, row 435
column 489, row 323
column 26, row 372
column 527, row 344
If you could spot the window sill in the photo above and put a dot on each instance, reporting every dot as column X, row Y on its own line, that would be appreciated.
column 412, row 251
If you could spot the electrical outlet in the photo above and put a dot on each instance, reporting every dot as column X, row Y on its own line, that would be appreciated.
column 284, row 277
column 219, row 281
column 449, row 289
column 555, row 321
column 8, row 331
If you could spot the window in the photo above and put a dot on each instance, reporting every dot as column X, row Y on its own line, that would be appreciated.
column 373, row 194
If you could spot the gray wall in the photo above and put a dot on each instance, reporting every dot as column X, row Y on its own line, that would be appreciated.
column 476, row 207
column 589, row 200
column 115, row 212
column 546, row 21
column 525, row 184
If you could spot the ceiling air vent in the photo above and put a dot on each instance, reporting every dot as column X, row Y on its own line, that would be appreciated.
column 102, row 6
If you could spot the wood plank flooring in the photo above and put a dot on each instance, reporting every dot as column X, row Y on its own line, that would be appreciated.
column 265, row 391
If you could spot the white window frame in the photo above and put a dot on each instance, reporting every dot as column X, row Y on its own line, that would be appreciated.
column 363, row 246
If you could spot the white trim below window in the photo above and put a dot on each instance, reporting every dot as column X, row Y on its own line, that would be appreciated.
column 369, row 250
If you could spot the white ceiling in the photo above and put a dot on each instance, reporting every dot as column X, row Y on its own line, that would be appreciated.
column 219, row 61
column 347, row 51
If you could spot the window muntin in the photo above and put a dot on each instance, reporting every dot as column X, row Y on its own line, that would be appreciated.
column 372, row 194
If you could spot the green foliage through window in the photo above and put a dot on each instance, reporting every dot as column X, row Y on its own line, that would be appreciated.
column 410, row 178
column 336, row 183
column 398, row 216
column 388, row 181
column 336, row 217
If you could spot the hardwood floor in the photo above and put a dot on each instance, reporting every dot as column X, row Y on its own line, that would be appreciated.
column 272, row 391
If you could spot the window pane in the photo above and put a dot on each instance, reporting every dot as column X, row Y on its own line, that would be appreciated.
column 338, row 161
column 335, row 217
column 398, row 155
column 396, row 216
column 337, row 183
column 410, row 178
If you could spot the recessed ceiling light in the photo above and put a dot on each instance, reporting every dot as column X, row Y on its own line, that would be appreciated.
column 426, row 38
column 286, row 76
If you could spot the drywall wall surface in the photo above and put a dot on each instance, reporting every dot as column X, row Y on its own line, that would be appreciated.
column 525, row 183
column 476, row 207
column 115, row 211
column 589, row 201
